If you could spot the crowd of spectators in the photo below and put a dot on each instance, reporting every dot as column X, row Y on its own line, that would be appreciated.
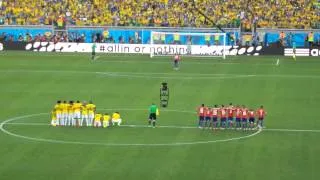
column 174, row 13
column 47, row 37
column 64, row 37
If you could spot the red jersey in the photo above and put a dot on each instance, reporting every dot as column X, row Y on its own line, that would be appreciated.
column 230, row 112
column 215, row 112
column 223, row 113
column 251, row 114
column 176, row 58
column 208, row 112
column 238, row 113
column 261, row 113
column 201, row 111
column 244, row 113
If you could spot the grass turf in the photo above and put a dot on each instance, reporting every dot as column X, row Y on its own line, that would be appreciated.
column 32, row 82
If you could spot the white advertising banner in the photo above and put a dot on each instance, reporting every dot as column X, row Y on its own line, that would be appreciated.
column 302, row 52
column 201, row 50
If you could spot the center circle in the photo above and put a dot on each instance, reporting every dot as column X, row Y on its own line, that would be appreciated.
column 51, row 140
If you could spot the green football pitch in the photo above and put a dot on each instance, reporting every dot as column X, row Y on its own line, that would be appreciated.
column 286, row 149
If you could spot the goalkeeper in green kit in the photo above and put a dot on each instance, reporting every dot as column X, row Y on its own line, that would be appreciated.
column 93, row 51
column 153, row 113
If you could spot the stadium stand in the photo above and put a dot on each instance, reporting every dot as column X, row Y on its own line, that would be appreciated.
column 174, row 13
column 271, row 14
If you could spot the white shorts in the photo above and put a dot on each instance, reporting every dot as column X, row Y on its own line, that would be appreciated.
column 64, row 115
column 97, row 123
column 77, row 115
column 105, row 123
column 53, row 122
column 59, row 115
column 70, row 116
column 91, row 115
column 116, row 120
column 84, row 116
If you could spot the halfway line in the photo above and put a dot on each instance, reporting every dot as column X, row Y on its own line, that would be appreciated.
column 171, row 126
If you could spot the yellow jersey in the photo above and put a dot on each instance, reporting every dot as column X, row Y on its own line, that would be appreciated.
column 84, row 110
column 57, row 108
column 64, row 107
column 53, row 115
column 70, row 108
column 97, row 117
column 115, row 116
column 77, row 107
column 91, row 108
column 106, row 117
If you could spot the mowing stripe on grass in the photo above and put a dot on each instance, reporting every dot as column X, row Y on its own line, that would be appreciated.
column 174, row 75
column 139, row 75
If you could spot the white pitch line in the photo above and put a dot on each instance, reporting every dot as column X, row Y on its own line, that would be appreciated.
column 112, row 72
column 168, row 62
column 139, row 75
column 96, row 58
column 143, row 109
column 2, row 124
column 128, row 125
column 189, row 61
column 166, row 126
column 174, row 75
column 293, row 130
column 29, row 124
column 8, row 121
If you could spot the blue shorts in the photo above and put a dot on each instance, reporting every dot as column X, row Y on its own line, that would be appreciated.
column 215, row 119
column 238, row 119
column 201, row 118
column 223, row 119
column 230, row 118
column 251, row 120
column 244, row 120
column 208, row 118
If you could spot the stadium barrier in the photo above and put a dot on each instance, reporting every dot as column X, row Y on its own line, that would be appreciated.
column 199, row 50
column 270, row 39
column 141, row 35
column 18, row 46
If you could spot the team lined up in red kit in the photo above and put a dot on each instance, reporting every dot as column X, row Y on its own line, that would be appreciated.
column 239, row 117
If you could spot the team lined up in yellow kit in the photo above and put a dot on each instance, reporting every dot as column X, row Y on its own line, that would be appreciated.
column 80, row 114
